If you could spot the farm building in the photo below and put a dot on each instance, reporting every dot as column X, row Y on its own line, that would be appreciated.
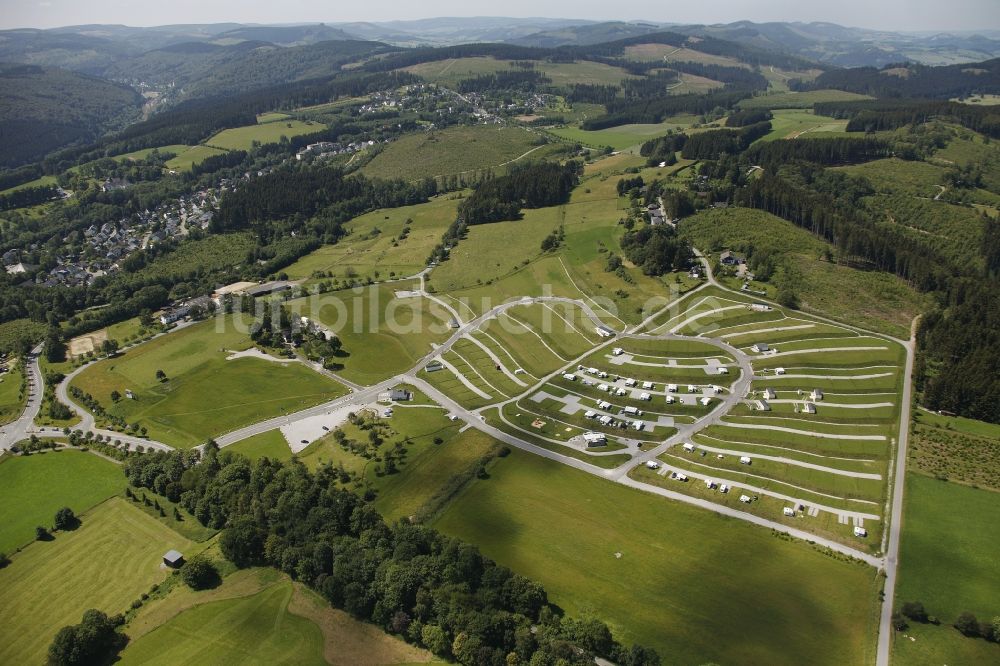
column 595, row 439
column 173, row 559
column 267, row 288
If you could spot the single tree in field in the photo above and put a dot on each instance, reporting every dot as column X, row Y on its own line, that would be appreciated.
column 967, row 624
column 93, row 641
column 200, row 573
column 41, row 534
column 65, row 519
column 109, row 347
column 161, row 376
column 115, row 396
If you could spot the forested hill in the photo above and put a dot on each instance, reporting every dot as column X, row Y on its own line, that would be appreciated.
column 912, row 80
column 44, row 108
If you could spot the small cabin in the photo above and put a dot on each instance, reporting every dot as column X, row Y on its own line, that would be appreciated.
column 173, row 559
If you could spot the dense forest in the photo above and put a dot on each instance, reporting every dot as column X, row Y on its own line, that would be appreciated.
column 911, row 80
column 656, row 250
column 314, row 201
column 654, row 110
column 663, row 149
column 881, row 115
column 709, row 145
column 830, row 151
column 524, row 186
column 429, row 589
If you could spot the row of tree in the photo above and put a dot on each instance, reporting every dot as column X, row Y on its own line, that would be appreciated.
column 709, row 145
column 431, row 590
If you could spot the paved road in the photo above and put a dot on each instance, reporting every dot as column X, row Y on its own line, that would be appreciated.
column 885, row 630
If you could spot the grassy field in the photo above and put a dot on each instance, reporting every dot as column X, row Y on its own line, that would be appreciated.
column 33, row 488
column 243, row 138
column 930, row 645
column 799, row 100
column 193, row 155
column 38, row 182
column 948, row 549
column 679, row 584
column 176, row 149
column 204, row 394
column 794, row 124
column 960, row 450
column 373, row 245
column 623, row 136
column 874, row 300
column 274, row 620
column 255, row 629
column 11, row 399
column 450, row 151
column 382, row 335
column 271, row 444
column 112, row 558
column 17, row 331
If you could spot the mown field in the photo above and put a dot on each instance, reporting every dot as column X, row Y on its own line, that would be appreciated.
column 680, row 583
column 106, row 563
column 257, row 616
column 33, row 488
column 374, row 244
column 185, row 160
column 243, row 138
column 453, row 150
column 204, row 394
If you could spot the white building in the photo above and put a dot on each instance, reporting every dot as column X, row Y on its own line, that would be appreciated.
column 595, row 438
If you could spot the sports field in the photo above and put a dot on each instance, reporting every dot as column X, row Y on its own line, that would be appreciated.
column 453, row 150
column 374, row 244
column 204, row 394
column 33, row 488
column 243, row 138
column 112, row 558
column 382, row 335
column 680, row 582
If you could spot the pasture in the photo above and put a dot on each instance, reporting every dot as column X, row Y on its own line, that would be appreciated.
column 382, row 335
column 948, row 551
column 106, row 563
column 796, row 124
column 204, row 393
column 271, row 444
column 451, row 151
column 244, row 138
column 678, row 584
column 185, row 160
column 33, row 488
column 799, row 100
column 374, row 248
column 623, row 136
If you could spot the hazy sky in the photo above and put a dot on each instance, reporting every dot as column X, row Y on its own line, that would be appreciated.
column 884, row 14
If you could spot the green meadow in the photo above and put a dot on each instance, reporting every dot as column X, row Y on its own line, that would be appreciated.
column 681, row 580
column 453, row 150
column 33, row 488
column 243, row 138
column 205, row 394
column 106, row 563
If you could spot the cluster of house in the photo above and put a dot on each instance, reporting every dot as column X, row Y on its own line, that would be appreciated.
column 100, row 249
column 324, row 149
column 658, row 218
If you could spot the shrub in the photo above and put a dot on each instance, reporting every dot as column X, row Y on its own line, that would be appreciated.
column 200, row 573
column 65, row 519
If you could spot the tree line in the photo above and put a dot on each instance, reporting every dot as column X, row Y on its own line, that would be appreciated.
column 652, row 111
column 656, row 250
column 28, row 196
column 829, row 151
column 911, row 80
column 709, row 145
column 882, row 115
column 434, row 591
